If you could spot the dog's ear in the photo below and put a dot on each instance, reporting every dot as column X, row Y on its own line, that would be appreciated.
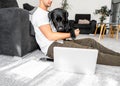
column 66, row 16
column 50, row 15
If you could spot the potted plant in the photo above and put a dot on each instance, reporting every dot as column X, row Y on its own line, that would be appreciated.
column 104, row 12
column 64, row 4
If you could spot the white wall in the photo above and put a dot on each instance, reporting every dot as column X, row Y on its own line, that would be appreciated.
column 83, row 7
column 76, row 6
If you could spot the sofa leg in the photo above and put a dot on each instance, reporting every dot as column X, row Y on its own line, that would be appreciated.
column 101, row 31
column 96, row 29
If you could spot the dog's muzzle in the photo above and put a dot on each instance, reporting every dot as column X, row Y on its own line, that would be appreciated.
column 61, row 29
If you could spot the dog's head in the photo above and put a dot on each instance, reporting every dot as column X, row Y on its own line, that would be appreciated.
column 59, row 17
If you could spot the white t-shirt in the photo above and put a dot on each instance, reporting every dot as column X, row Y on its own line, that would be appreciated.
column 40, row 17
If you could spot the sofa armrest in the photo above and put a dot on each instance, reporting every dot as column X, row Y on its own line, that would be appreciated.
column 93, row 26
column 15, row 35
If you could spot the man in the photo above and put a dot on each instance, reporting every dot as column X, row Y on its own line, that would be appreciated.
column 47, row 37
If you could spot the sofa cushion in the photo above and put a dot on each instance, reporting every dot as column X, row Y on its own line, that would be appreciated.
column 31, row 10
column 84, row 26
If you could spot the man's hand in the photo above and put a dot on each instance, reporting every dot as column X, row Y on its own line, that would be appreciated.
column 77, row 32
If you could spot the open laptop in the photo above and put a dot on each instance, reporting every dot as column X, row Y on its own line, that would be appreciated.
column 76, row 60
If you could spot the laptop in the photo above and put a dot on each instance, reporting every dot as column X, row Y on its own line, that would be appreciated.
column 75, row 60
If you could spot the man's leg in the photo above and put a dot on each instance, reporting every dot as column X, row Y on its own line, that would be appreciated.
column 65, row 44
column 94, row 44
column 108, row 59
column 105, row 55
column 103, row 58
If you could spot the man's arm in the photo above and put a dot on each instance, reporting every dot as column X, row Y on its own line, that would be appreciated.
column 50, row 35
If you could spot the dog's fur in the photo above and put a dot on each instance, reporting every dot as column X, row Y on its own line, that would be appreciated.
column 59, row 18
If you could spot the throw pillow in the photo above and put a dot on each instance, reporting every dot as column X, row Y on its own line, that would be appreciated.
column 28, row 7
column 83, row 21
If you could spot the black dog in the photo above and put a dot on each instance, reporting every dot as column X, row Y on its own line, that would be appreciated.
column 59, row 18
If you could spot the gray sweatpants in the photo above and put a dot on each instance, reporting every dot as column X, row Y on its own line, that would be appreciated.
column 105, row 55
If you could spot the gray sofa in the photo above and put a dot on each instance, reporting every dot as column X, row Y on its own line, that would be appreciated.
column 16, row 32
